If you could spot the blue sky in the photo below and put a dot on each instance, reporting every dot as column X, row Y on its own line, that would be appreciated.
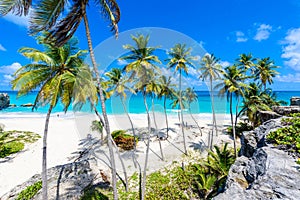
column 264, row 28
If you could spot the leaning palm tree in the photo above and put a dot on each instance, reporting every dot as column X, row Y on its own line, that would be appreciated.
column 180, row 58
column 59, row 74
column 166, row 92
column 141, row 69
column 233, row 83
column 265, row 71
column 191, row 96
column 211, row 70
column 246, row 62
column 62, row 18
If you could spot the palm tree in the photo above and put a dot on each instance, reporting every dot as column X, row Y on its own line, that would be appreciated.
column 191, row 96
column 46, row 17
column 142, row 70
column 246, row 62
column 211, row 70
column 166, row 92
column 265, row 71
column 232, row 84
column 59, row 74
column 180, row 58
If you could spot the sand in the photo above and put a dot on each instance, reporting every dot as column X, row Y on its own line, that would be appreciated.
column 68, row 135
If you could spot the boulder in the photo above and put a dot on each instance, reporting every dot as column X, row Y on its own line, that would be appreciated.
column 262, row 171
column 286, row 110
column 267, row 115
column 65, row 181
column 295, row 101
column 4, row 100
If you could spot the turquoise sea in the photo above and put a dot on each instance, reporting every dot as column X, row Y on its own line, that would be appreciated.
column 135, row 104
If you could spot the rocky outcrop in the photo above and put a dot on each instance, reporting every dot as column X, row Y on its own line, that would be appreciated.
column 295, row 101
column 4, row 100
column 267, row 115
column 262, row 171
column 285, row 110
column 65, row 181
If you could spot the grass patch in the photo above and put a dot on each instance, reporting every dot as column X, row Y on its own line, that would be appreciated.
column 14, row 141
column 29, row 192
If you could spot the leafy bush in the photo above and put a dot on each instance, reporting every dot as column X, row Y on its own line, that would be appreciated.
column 123, row 140
column 288, row 136
column 30, row 191
column 93, row 194
column 239, row 129
column 10, row 148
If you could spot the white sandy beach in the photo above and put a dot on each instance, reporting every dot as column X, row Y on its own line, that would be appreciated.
column 67, row 131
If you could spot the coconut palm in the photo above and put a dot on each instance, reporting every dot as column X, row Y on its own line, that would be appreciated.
column 265, row 71
column 59, row 74
column 180, row 58
column 166, row 92
column 246, row 62
column 233, row 83
column 62, row 18
column 210, row 71
column 141, row 69
column 191, row 96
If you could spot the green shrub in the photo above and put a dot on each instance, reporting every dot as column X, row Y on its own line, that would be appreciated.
column 30, row 191
column 10, row 148
column 93, row 194
column 239, row 129
column 123, row 140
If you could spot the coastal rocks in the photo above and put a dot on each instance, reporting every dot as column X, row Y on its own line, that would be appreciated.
column 65, row 181
column 267, row 115
column 4, row 100
column 285, row 110
column 262, row 171
column 295, row 101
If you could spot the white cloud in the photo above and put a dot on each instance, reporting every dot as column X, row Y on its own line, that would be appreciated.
column 18, row 20
column 10, row 69
column 263, row 32
column 8, row 77
column 224, row 63
column 240, row 36
column 2, row 48
column 122, row 62
column 291, row 50
column 288, row 78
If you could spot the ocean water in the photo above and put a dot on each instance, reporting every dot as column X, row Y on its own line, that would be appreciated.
column 135, row 104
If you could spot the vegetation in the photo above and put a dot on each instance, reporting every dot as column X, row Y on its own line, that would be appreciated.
column 14, row 141
column 29, row 192
column 200, row 179
column 239, row 129
column 288, row 137
column 123, row 140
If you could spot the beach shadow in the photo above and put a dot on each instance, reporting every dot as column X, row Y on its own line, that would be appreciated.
column 199, row 146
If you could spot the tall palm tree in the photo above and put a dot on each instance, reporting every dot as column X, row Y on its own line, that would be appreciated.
column 191, row 96
column 265, row 71
column 141, row 69
column 210, row 71
column 59, row 74
column 233, row 83
column 166, row 92
column 180, row 58
column 62, row 18
column 246, row 62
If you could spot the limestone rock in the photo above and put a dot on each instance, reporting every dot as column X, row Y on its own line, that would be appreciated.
column 267, row 115
column 4, row 100
column 285, row 110
column 65, row 181
column 295, row 101
column 262, row 171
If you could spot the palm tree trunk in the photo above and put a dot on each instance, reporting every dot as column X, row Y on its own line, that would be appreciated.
column 181, row 113
column 166, row 116
column 156, row 128
column 195, row 121
column 213, row 107
column 44, row 162
column 106, row 123
column 147, row 150
column 237, row 110
column 233, row 127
